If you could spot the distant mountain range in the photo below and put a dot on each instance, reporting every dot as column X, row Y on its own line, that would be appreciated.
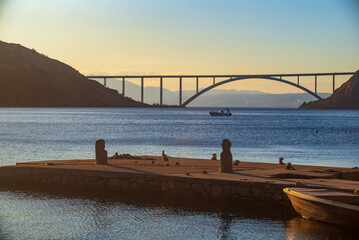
column 216, row 97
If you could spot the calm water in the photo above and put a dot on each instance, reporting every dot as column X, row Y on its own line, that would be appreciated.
column 256, row 135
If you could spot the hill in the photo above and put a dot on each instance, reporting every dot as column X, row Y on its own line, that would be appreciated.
column 345, row 97
column 30, row 79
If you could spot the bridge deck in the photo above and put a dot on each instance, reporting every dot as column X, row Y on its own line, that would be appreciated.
column 221, row 76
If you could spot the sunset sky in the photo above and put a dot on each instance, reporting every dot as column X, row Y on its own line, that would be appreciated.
column 191, row 37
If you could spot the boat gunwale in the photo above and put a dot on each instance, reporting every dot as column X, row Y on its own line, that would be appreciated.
column 321, row 200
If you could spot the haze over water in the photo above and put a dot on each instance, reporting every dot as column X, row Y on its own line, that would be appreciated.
column 257, row 135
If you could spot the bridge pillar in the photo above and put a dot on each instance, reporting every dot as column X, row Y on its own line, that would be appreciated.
column 298, row 80
column 333, row 83
column 315, row 84
column 161, row 90
column 123, row 86
column 104, row 82
column 141, row 89
column 180, row 91
column 196, row 85
column 214, row 80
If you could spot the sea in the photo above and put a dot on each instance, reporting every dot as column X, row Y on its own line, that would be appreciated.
column 312, row 137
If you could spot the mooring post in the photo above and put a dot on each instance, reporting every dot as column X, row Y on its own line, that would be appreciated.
column 104, row 82
column 315, row 84
column 196, row 85
column 333, row 83
column 180, row 91
column 214, row 80
column 226, row 157
column 161, row 90
column 298, row 80
column 141, row 89
column 123, row 86
column 100, row 152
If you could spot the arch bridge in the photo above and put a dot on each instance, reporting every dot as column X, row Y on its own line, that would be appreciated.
column 224, row 80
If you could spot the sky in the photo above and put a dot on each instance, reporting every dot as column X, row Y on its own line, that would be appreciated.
column 115, row 37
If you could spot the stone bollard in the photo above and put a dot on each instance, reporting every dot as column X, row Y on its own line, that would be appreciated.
column 101, row 153
column 214, row 156
column 281, row 160
column 164, row 156
column 226, row 156
column 289, row 166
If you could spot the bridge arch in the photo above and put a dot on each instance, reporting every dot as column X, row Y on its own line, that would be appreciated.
column 251, row 77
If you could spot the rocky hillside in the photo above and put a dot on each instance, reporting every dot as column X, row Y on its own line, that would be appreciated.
column 345, row 97
column 30, row 79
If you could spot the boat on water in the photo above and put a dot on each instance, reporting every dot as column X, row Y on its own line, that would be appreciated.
column 325, row 205
column 221, row 113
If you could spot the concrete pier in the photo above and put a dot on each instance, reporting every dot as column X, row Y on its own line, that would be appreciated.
column 197, row 178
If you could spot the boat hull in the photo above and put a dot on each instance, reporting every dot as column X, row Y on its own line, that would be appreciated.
column 220, row 114
column 324, row 210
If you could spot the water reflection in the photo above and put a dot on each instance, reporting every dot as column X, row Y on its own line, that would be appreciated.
column 301, row 228
column 29, row 215
column 224, row 229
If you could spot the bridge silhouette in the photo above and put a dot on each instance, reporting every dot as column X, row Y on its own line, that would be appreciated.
column 225, row 79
